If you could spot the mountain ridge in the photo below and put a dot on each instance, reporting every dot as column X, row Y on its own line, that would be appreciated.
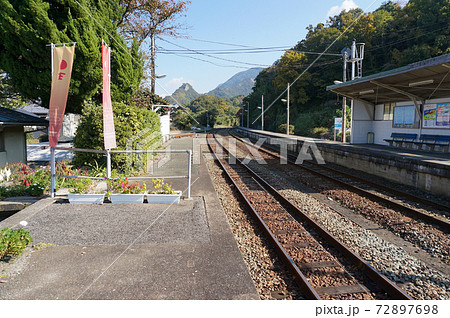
column 239, row 84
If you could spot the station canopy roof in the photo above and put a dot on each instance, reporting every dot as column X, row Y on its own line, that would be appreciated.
column 420, row 81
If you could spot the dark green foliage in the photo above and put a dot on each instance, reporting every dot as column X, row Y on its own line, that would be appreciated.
column 145, row 98
column 20, row 190
column 394, row 36
column 136, row 128
column 28, row 26
column 13, row 242
column 214, row 111
column 183, row 119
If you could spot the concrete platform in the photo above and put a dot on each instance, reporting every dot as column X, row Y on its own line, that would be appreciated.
column 130, row 251
column 425, row 170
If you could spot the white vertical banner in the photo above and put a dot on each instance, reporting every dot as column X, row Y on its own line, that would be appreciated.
column 109, row 134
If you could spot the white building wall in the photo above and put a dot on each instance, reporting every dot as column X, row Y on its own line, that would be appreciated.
column 361, row 122
column 165, row 126
column 382, row 129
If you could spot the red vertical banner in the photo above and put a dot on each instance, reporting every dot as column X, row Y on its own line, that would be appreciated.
column 62, row 72
column 109, row 133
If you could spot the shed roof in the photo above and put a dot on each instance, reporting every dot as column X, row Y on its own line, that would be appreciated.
column 421, row 81
column 9, row 117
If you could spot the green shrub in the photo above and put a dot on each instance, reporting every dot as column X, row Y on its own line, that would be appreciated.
column 282, row 129
column 13, row 242
column 136, row 128
column 321, row 132
column 20, row 190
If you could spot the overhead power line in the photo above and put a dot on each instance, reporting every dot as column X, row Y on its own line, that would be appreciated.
column 214, row 57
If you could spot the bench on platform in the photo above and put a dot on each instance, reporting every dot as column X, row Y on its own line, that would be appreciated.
column 400, row 138
column 433, row 140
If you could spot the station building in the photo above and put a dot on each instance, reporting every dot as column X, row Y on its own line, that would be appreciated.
column 412, row 100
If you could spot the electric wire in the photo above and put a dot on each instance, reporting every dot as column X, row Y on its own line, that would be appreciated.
column 310, row 65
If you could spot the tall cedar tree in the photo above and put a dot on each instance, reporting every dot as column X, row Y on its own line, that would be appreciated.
column 28, row 26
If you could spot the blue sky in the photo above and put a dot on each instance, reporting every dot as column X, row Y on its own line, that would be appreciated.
column 248, row 23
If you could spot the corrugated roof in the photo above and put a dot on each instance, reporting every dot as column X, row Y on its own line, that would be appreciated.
column 424, row 80
column 15, row 118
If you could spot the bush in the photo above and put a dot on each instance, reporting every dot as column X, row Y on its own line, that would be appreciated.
column 321, row 132
column 136, row 128
column 282, row 129
column 13, row 242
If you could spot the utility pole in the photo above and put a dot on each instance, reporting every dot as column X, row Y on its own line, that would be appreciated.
column 248, row 115
column 262, row 112
column 357, row 59
column 152, row 62
column 287, row 112
column 344, row 101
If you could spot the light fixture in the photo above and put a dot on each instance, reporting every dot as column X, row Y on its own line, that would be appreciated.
column 284, row 100
column 369, row 91
column 430, row 81
column 337, row 82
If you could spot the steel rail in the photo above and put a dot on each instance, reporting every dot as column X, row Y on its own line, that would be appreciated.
column 413, row 197
column 444, row 224
column 309, row 291
column 393, row 290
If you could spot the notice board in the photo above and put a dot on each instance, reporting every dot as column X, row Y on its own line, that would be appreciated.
column 405, row 117
column 436, row 115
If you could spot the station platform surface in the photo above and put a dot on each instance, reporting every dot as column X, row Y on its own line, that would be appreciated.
column 438, row 158
column 130, row 251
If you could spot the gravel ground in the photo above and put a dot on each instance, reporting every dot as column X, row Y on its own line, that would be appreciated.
column 412, row 275
column 271, row 278
column 415, row 277
column 425, row 236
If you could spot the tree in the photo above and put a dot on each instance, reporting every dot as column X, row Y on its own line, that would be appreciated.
column 129, row 121
column 28, row 26
column 9, row 98
column 213, row 110
column 145, row 19
column 394, row 36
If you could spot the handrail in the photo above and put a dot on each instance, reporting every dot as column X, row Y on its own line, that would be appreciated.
column 108, row 153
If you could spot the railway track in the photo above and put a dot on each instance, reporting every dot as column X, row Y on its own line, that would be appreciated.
column 324, row 267
column 366, row 188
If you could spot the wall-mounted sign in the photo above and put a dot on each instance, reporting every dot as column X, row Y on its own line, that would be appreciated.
column 436, row 115
column 338, row 123
column 405, row 117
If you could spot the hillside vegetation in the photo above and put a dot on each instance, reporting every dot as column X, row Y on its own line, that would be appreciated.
column 394, row 36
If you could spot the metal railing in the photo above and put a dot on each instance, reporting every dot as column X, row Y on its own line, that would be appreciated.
column 108, row 153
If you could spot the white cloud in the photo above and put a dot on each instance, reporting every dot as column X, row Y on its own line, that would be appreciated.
column 346, row 5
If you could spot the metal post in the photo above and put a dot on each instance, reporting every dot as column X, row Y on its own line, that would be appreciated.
column 189, row 174
column 108, row 164
column 344, row 102
column 152, row 62
column 262, row 112
column 287, row 114
column 248, row 115
column 52, row 172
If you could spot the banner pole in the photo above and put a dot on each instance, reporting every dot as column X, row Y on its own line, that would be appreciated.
column 189, row 173
column 108, row 163
column 52, row 171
